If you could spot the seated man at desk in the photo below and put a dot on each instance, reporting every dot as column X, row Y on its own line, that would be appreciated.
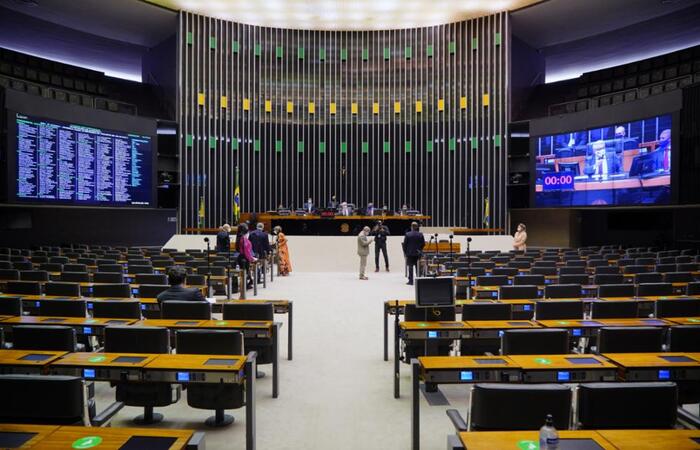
column 176, row 291
column 345, row 209
column 309, row 206
column 600, row 163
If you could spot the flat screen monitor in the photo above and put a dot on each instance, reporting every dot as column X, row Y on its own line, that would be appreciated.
column 433, row 292
column 623, row 163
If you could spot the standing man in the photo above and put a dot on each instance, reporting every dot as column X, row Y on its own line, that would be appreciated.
column 413, row 243
column 363, row 242
column 223, row 240
column 380, row 233
column 260, row 241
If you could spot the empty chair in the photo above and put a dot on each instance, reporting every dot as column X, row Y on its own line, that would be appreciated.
column 644, row 261
column 630, row 339
column 635, row 268
column 108, row 277
column 507, row 271
column 117, row 290
column 650, row 277
column 216, row 396
column 461, row 272
column 10, row 306
column 59, row 260
column 654, row 289
column 518, row 292
column 149, row 278
column 62, row 289
column 23, row 265
column 519, row 264
column 665, row 268
column 63, row 308
column 151, row 290
column 606, row 270
column 608, row 278
column 115, row 268
column 684, row 338
column 543, row 271
column 119, row 339
column 89, row 262
column 211, row 270
column 693, row 288
column 185, row 310
column 616, row 290
column 597, row 262
column 75, row 277
column 625, row 309
column 684, row 307
column 572, row 270
column 575, row 263
column 34, row 275
column 484, row 264
column 137, row 269
column 495, row 280
column 486, row 311
column 24, row 287
column 38, row 259
column 562, row 291
column 9, row 274
column 549, row 341
column 687, row 267
column 5, row 264
column 265, row 312
column 116, row 309
column 545, row 263
column 627, row 405
column 534, row 280
column 74, row 268
column 555, row 310
column 678, row 277
column 574, row 279
column 44, row 337
column 51, row 267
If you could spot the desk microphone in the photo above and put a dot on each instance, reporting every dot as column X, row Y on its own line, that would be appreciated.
column 469, row 239
column 206, row 239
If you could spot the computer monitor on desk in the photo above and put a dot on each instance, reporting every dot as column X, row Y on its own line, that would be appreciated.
column 646, row 165
column 434, row 292
column 570, row 167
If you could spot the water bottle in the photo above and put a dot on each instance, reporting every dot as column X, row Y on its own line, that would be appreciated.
column 549, row 437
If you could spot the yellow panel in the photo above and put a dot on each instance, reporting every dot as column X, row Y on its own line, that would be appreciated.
column 397, row 107
column 332, row 108
column 353, row 108
column 419, row 106
column 290, row 107
column 441, row 104
column 200, row 98
column 246, row 104
column 268, row 106
column 485, row 99
column 224, row 101
column 312, row 108
column 375, row 108
column 463, row 102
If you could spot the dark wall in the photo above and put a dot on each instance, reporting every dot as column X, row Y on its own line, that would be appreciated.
column 159, row 70
column 527, row 72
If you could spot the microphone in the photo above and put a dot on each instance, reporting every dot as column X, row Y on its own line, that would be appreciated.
column 206, row 239
column 451, row 236
column 469, row 239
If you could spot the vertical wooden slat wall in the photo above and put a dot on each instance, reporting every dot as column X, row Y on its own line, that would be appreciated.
column 414, row 116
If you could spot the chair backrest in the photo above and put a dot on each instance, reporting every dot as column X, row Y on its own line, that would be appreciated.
column 59, row 260
column 682, row 307
column 545, row 263
column 41, row 399
column 9, row 274
column 630, row 339
column 23, row 265
column 687, row 267
column 33, row 275
column 11, row 306
column 582, row 279
column 137, row 269
column 649, row 277
column 195, row 280
column 616, row 290
column 519, row 264
column 87, row 261
column 119, row 339
column 608, row 278
column 563, row 291
column 623, row 309
column 678, row 277
column 635, row 268
column 494, row 280
column 116, row 290
column 24, row 287
column 64, row 289
column 108, row 277
column 411, row 314
column 149, row 278
column 567, row 270
column 654, row 289
column 543, row 271
column 474, row 271
column 185, row 310
column 533, row 280
column 213, row 270
column 44, row 337
column 507, row 271
column 497, row 407
column 116, row 309
column 74, row 268
column 627, row 405
column 484, row 264
column 51, row 267
column 209, row 342
column 576, row 263
column 151, row 290
column 612, row 270
column 664, row 268
column 549, row 341
column 75, row 277
column 113, row 268
column 684, row 338
column 486, row 311
column 518, row 292
column 555, row 310
column 693, row 288
column 63, row 308
column 597, row 262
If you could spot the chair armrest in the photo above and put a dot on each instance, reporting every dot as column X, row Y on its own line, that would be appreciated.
column 106, row 416
column 457, row 420
column 196, row 442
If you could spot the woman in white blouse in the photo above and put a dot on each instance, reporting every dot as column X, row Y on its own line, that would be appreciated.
column 520, row 238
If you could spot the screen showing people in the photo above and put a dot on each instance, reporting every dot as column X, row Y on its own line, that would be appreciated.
column 60, row 162
column 625, row 163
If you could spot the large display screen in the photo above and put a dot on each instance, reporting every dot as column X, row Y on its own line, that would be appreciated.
column 626, row 163
column 67, row 163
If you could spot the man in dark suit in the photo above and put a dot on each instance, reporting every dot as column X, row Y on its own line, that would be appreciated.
column 176, row 278
column 223, row 239
column 413, row 243
column 380, row 233
column 260, row 241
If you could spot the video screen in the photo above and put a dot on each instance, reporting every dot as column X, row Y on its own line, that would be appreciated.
column 66, row 163
column 627, row 163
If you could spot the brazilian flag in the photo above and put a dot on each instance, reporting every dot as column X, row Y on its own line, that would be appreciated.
column 487, row 215
column 237, row 200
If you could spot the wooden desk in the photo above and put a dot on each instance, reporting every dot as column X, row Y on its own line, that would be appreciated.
column 684, row 320
column 570, row 368
column 490, row 329
column 189, row 369
column 27, row 362
column 656, row 366
column 82, row 325
column 109, row 438
column 652, row 439
column 112, row 367
column 490, row 440
column 36, row 433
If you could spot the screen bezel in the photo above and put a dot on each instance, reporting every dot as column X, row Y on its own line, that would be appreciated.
column 420, row 280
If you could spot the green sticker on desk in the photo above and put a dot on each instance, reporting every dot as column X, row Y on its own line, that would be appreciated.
column 663, row 298
column 528, row 445
column 563, row 322
column 96, row 359
column 694, row 320
column 90, row 321
column 87, row 442
column 422, row 324
column 222, row 323
column 543, row 361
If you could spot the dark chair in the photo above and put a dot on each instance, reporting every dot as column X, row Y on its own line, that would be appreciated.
column 616, row 290
column 624, row 309
column 499, row 407
column 693, row 288
column 544, row 341
column 608, row 278
column 556, row 310
column 62, row 289
column 108, row 277
column 606, row 270
column 665, row 268
column 654, row 289
column 9, row 274
column 507, row 271
column 571, row 271
column 185, row 310
column 678, row 277
column 494, row 280
column 219, row 396
column 51, row 267
column 627, row 405
column 574, row 279
column 630, row 339
column 62, row 308
column 213, row 270
column 634, row 268
column 265, row 312
column 151, row 290
column 44, row 337
column 59, row 260
column 649, row 277
column 137, row 269
column 34, row 275
column 24, row 287
column 576, row 263
column 678, row 308
column 149, row 278
column 10, row 306
column 597, row 262
column 519, row 264
column 474, row 271
column 543, row 271
column 486, row 311
column 518, row 292
column 688, row 267
column 684, row 338
column 23, row 265
column 119, row 339
column 91, row 262
column 74, row 268
column 5, row 265
column 75, row 277
column 195, row 280
column 119, row 290
column 110, row 268
column 483, row 264
column 563, row 291
column 116, row 309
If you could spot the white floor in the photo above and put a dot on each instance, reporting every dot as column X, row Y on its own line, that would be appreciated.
column 337, row 392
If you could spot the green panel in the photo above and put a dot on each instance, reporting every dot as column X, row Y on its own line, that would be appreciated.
column 279, row 51
column 343, row 54
column 429, row 50
column 322, row 147
column 453, row 144
column 365, row 54
column 474, row 142
column 256, row 145
column 497, row 140
column 321, row 54
column 343, row 147
column 258, row 49
column 190, row 38
column 365, row 147
column 278, row 146
column 429, row 146
column 235, row 46
column 189, row 140
column 387, row 146
column 234, row 143
column 497, row 39
column 407, row 146
column 452, row 46
column 387, row 53
column 212, row 142
column 300, row 52
column 300, row 146
column 475, row 43
column 408, row 52
column 212, row 42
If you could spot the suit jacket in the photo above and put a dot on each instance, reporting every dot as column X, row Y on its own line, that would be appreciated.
column 260, row 242
column 180, row 293
column 362, row 245
column 413, row 243
column 223, row 241
column 380, row 235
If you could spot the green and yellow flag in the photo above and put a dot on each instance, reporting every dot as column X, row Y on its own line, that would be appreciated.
column 200, row 214
column 487, row 215
column 236, row 200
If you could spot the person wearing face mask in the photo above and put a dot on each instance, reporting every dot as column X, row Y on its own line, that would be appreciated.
column 363, row 241
column 245, row 252
column 520, row 238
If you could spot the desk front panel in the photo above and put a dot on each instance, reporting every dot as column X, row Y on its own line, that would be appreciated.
column 573, row 368
column 656, row 366
column 102, row 366
column 468, row 369
column 493, row 329
column 434, row 330
column 187, row 369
